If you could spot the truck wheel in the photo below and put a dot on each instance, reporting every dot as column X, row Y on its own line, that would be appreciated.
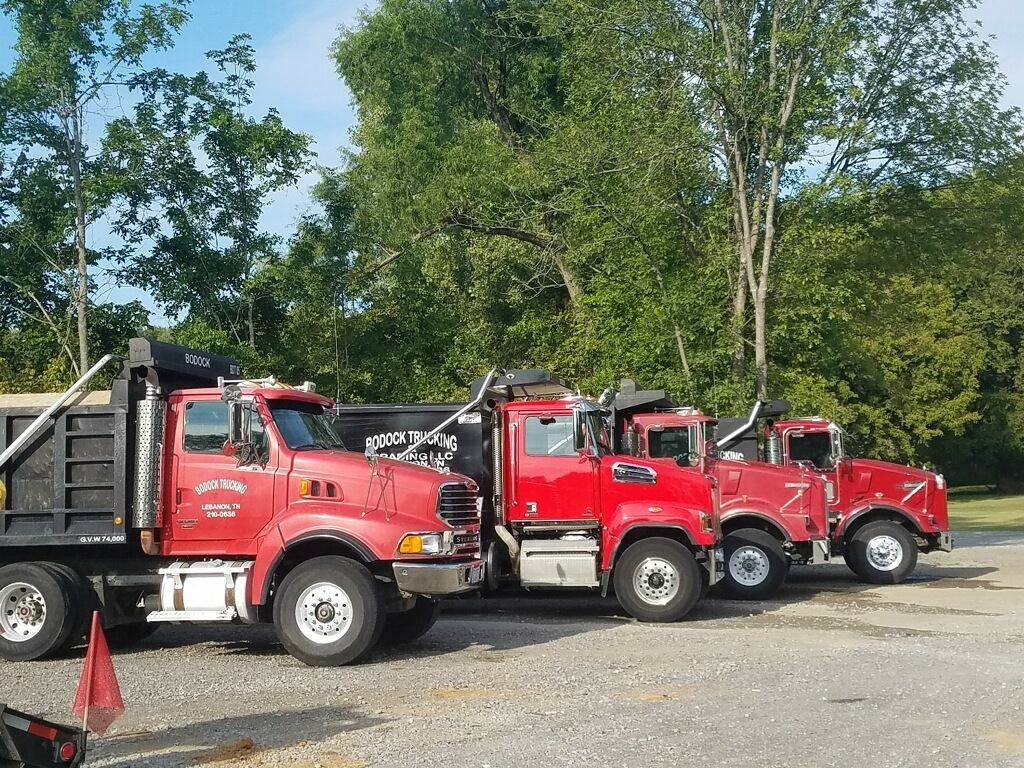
column 755, row 565
column 327, row 612
column 81, row 600
column 882, row 553
column 36, row 618
column 127, row 635
column 657, row 579
column 407, row 626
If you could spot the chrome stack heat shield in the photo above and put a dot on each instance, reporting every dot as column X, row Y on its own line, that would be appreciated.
column 149, row 440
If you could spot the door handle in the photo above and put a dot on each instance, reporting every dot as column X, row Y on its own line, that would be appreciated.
column 177, row 496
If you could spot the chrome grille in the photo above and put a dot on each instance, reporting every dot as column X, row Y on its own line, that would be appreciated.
column 456, row 505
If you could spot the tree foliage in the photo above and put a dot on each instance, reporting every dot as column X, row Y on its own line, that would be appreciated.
column 693, row 193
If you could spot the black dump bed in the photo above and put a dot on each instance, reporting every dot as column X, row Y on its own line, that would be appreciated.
column 31, row 742
column 71, row 483
column 392, row 427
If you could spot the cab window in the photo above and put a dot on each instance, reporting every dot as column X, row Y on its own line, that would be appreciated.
column 814, row 447
column 669, row 442
column 549, row 436
column 206, row 426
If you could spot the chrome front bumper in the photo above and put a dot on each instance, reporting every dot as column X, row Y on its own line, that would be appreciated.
column 439, row 578
column 946, row 541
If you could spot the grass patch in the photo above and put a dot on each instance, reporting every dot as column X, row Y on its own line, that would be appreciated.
column 986, row 512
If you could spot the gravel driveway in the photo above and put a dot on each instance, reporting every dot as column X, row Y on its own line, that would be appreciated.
column 830, row 673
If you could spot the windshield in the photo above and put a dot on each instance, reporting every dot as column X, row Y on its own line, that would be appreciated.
column 304, row 426
column 812, row 447
column 671, row 442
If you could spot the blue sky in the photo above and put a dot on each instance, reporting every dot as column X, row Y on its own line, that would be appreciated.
column 292, row 41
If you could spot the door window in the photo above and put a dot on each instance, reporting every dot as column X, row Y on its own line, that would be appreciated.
column 206, row 426
column 549, row 436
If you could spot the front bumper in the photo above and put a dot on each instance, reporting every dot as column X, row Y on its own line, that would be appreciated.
column 946, row 541
column 439, row 578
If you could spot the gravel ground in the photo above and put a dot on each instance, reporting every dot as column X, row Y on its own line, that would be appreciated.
column 830, row 673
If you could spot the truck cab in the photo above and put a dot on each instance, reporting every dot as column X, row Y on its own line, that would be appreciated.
column 771, row 516
column 169, row 499
column 882, row 514
column 560, row 508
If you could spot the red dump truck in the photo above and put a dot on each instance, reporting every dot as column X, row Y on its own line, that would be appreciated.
column 881, row 514
column 559, row 508
column 186, row 494
column 771, row 516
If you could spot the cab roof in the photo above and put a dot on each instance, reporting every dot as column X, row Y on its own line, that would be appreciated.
column 268, row 393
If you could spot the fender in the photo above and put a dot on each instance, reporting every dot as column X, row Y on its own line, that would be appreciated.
column 638, row 514
column 860, row 512
column 775, row 520
column 295, row 530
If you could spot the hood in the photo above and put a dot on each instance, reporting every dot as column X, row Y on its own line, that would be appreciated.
column 912, row 489
column 393, row 488
column 796, row 494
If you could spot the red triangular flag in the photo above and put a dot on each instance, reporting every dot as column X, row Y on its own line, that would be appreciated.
column 98, row 698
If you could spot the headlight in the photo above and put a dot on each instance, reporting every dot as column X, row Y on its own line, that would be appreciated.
column 705, row 522
column 422, row 544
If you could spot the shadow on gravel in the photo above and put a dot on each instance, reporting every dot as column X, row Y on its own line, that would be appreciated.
column 825, row 583
column 229, row 738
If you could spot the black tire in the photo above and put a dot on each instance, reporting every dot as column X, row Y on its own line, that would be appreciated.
column 760, row 562
column 350, row 603
column 666, row 561
column 81, row 601
column 864, row 559
column 58, row 620
column 408, row 626
column 122, row 636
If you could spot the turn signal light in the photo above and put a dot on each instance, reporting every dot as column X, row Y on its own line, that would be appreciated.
column 411, row 545
column 304, row 487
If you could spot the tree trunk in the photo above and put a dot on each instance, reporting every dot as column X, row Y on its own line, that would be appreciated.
column 571, row 285
column 739, row 312
column 252, row 326
column 80, row 295
column 760, row 344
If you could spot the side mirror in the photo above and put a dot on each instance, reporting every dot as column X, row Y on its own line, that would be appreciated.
column 711, row 449
column 579, row 434
column 371, row 455
column 235, row 420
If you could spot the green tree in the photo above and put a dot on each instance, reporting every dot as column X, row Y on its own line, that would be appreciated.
column 68, row 55
column 196, row 172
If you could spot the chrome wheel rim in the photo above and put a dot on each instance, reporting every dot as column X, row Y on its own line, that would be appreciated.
column 885, row 553
column 656, row 581
column 324, row 613
column 749, row 566
column 22, row 612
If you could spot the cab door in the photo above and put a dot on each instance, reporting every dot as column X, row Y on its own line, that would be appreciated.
column 551, row 481
column 217, row 504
